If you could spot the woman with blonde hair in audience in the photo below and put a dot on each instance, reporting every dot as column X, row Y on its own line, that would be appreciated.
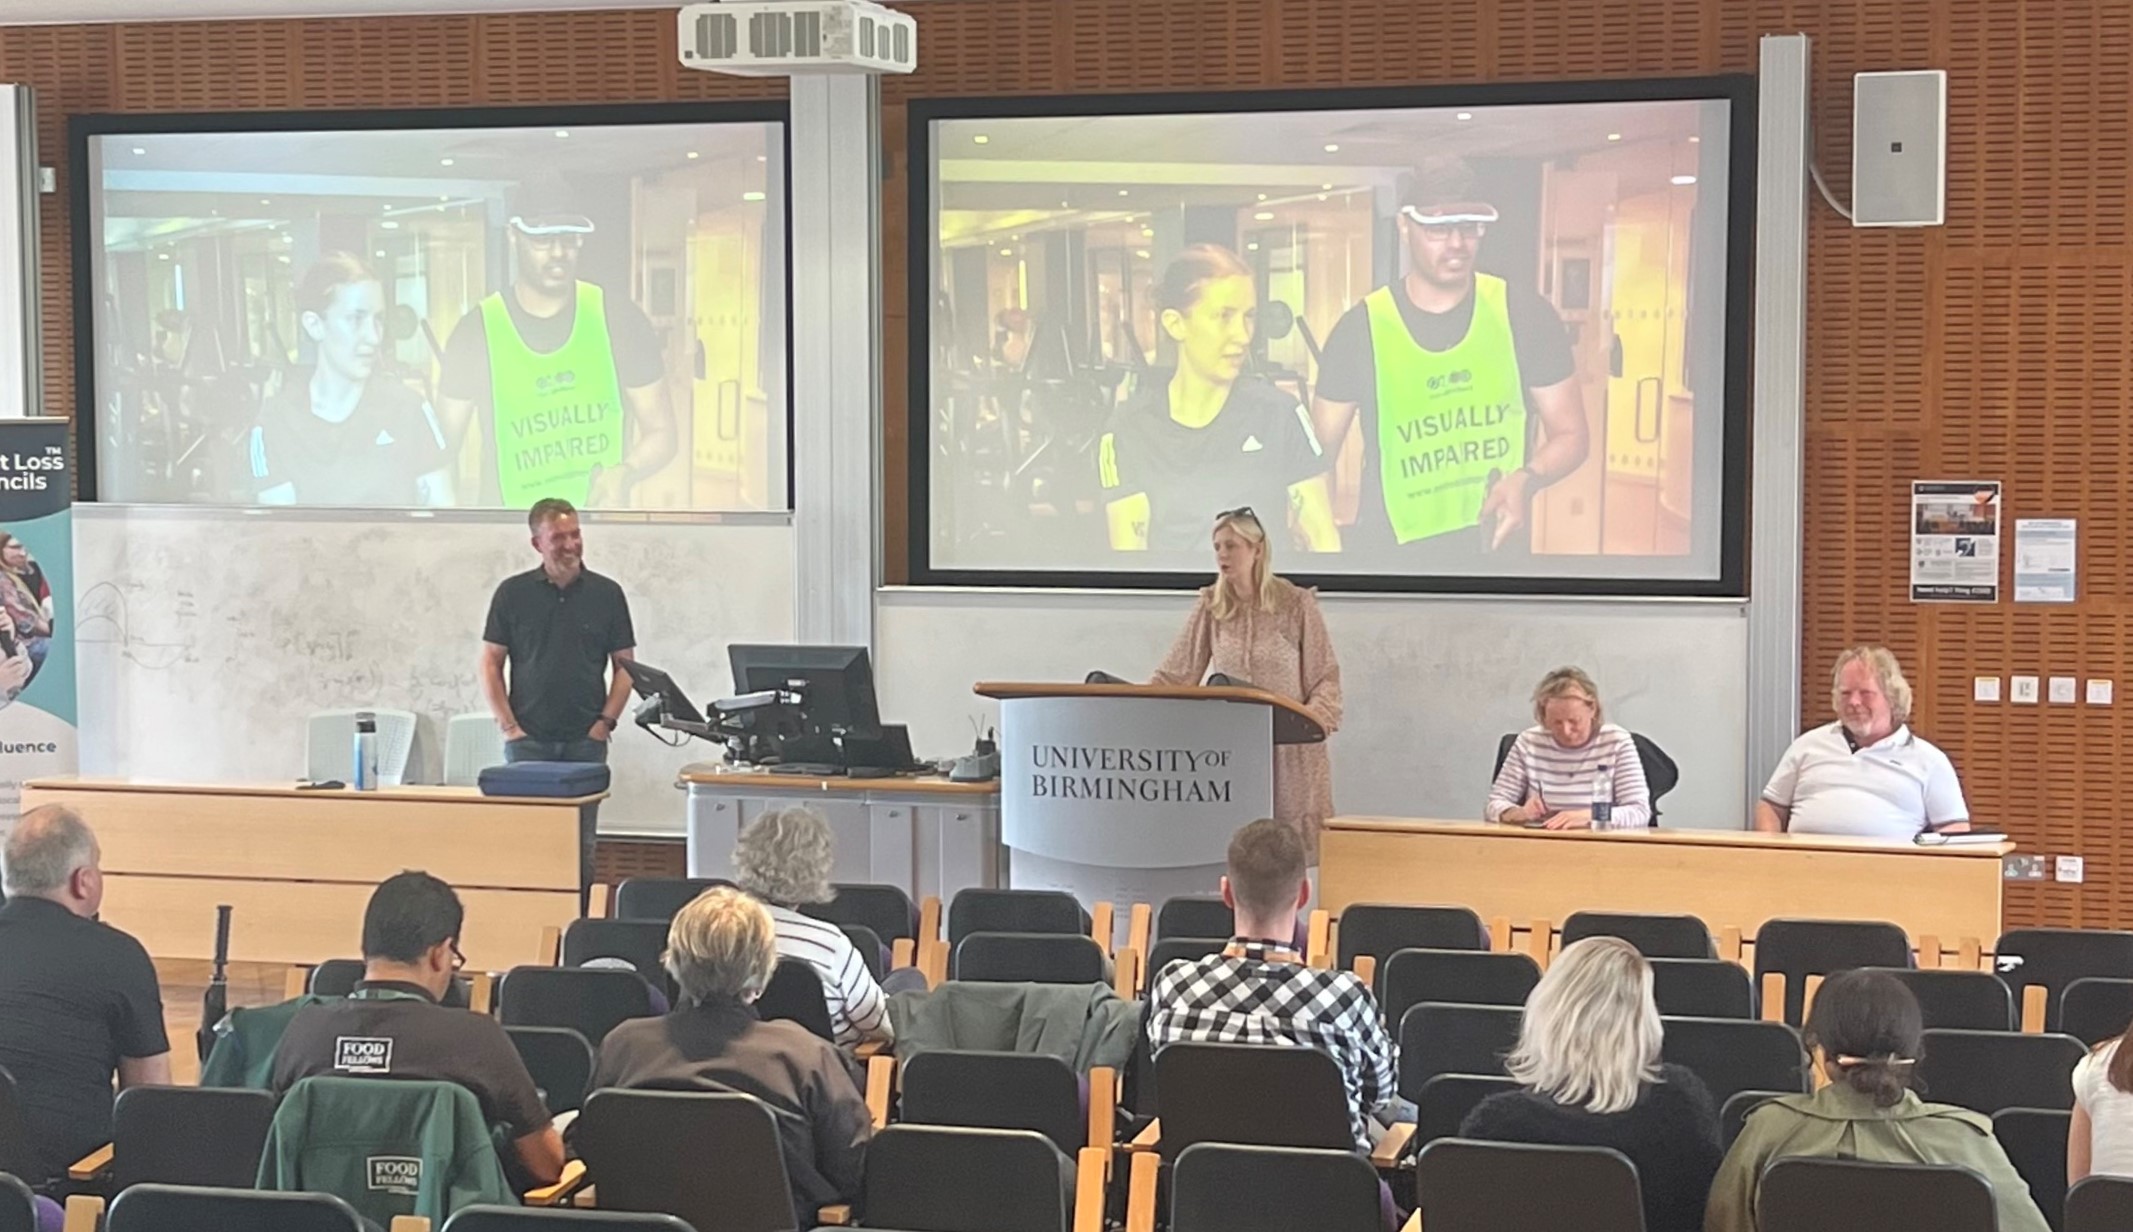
column 1588, row 1064
column 1550, row 775
column 2099, row 1142
column 1866, row 1037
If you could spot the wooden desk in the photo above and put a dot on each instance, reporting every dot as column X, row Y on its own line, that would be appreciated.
column 299, row 866
column 1727, row 877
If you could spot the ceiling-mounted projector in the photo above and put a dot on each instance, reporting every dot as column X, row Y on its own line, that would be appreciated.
column 776, row 38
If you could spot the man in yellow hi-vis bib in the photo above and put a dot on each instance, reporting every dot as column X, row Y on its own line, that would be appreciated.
column 571, row 376
column 1465, row 387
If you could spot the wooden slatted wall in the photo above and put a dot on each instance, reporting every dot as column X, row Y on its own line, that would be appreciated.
column 1994, row 347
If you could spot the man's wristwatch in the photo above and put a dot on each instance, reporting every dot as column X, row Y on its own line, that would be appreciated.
column 608, row 721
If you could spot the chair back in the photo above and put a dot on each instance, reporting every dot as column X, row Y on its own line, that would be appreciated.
column 795, row 994
column 336, row 977
column 1731, row 1055
column 1702, row 988
column 1442, row 1107
column 557, row 1219
column 1986, row 1071
column 709, row 1158
column 2093, row 1009
column 1655, row 936
column 2056, row 957
column 588, row 1001
column 640, row 943
column 186, row 1208
column 1803, row 1194
column 660, row 899
column 1965, row 1000
column 1028, row 958
column 1660, row 773
column 977, row 910
column 472, row 743
column 1800, row 948
column 1180, row 949
column 956, row 1179
column 1436, row 1038
column 2035, row 1142
column 1734, row 1112
column 329, row 744
column 560, row 1061
column 995, row 1090
column 1382, row 929
column 871, row 951
column 1253, row 1094
column 189, row 1136
column 884, row 908
column 1465, row 977
column 2100, row 1204
column 1195, row 915
column 19, row 1155
column 18, row 1207
column 1468, row 1186
column 1223, row 1187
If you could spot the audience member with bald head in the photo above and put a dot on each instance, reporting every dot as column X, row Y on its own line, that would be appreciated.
column 79, row 1002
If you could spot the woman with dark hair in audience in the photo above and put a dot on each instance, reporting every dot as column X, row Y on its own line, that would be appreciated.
column 1588, row 1058
column 1866, row 1038
column 2099, row 1141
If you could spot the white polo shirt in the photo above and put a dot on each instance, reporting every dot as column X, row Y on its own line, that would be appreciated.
column 1894, row 788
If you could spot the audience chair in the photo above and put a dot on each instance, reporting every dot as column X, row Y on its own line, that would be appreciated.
column 1029, row 958
column 1435, row 1039
column 2035, row 1142
column 2100, row 1204
column 336, row 977
column 1195, row 915
column 1655, row 936
column 588, row 1001
column 206, row 1136
column 18, row 1152
column 884, row 908
column 1014, row 911
column 1002, row 1090
column 1796, row 949
column 1986, row 1071
column 795, row 995
column 1445, row 1100
column 472, row 743
column 18, row 1206
column 1464, row 977
column 2055, row 958
column 1732, row 1056
column 1468, row 1186
column 1250, row 1094
column 659, row 899
column 710, row 1158
column 2093, row 1009
column 531, row 1219
column 1802, row 1194
column 1222, row 1187
column 1177, row 949
column 1702, row 988
column 560, row 1061
column 956, row 1179
column 1733, row 1113
column 640, row 943
column 873, row 954
column 1953, row 998
column 1378, row 930
column 186, row 1208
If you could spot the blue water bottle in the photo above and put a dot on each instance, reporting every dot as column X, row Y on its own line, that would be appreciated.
column 365, row 775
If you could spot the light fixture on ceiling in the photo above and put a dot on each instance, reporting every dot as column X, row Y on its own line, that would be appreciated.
column 1263, row 216
column 390, row 225
column 1252, row 247
column 1333, row 147
column 981, row 139
column 562, row 132
column 693, row 154
column 1614, row 136
column 1466, row 115
column 445, row 162
column 752, row 196
column 1682, row 181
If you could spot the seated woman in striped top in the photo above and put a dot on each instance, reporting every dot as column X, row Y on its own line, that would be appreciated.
column 1570, row 759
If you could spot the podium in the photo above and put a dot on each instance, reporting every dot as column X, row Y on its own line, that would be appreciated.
column 1129, row 793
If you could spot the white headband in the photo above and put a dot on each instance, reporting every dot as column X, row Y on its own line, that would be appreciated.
column 1485, row 213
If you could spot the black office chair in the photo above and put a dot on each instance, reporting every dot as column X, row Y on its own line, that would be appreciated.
column 1655, row 936
column 1454, row 1039
column 589, row 1001
column 1802, row 1194
column 1195, row 915
column 2056, row 957
column 1661, row 775
column 795, row 994
column 2100, row 1204
column 660, row 899
column 884, row 908
column 557, row 1219
column 185, row 1208
column 1986, row 1071
column 1441, row 1107
column 1014, row 911
column 956, row 1179
column 1180, row 949
column 188, row 1136
column 2093, row 1009
column 18, row 1207
column 1732, row 1056
column 1734, row 1112
column 1468, row 1186
column 640, row 943
column 19, row 1155
column 1464, row 977
column 709, row 1158
column 1800, row 948
column 1032, row 958
column 1702, row 988
column 995, row 1090
column 872, row 953
column 560, row 1061
column 1382, row 929
column 1222, row 1187
column 2035, row 1142
column 336, row 977
column 1965, row 1000
column 1249, row 1094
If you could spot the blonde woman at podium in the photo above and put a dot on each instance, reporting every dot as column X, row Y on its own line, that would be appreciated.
column 1267, row 632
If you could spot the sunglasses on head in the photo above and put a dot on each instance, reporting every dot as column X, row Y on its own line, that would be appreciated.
column 1241, row 511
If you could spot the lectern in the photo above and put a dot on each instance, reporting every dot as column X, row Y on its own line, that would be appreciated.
column 1129, row 793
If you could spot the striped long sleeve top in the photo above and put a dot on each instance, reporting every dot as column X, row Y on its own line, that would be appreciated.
column 1564, row 777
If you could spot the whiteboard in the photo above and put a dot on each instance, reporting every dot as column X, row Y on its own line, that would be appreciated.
column 205, row 636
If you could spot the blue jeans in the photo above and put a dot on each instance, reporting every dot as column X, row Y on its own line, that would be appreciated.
column 585, row 750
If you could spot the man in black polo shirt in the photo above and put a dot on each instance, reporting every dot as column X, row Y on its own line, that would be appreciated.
column 79, row 1000
column 392, row 1026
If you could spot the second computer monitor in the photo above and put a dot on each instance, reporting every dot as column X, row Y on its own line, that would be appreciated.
column 837, row 681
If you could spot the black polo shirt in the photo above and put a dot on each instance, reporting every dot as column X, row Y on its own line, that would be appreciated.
column 559, row 641
column 393, row 1030
column 75, row 996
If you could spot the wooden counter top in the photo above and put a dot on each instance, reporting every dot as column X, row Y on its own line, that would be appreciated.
column 422, row 793
column 1673, row 837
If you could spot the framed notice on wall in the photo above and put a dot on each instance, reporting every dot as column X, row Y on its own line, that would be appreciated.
column 1955, row 541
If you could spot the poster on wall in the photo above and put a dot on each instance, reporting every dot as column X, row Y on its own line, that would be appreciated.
column 37, row 711
column 1955, row 541
column 2045, row 561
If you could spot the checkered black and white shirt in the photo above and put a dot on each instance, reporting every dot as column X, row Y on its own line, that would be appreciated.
column 1267, row 997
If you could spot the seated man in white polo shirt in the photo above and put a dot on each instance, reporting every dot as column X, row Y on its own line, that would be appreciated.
column 1866, row 774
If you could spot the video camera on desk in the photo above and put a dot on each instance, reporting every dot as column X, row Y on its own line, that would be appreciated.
column 798, row 709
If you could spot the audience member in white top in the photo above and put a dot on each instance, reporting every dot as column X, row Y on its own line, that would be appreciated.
column 784, row 858
column 1549, row 775
column 1866, row 774
column 2099, row 1142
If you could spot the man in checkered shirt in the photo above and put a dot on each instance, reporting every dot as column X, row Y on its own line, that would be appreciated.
column 1258, row 990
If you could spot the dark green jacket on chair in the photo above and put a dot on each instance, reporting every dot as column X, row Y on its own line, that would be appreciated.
column 245, row 1040
column 385, row 1146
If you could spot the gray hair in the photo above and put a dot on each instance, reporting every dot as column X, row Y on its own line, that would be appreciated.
column 722, row 945
column 1591, row 1034
column 784, row 857
column 1881, row 661
column 44, row 849
column 1566, row 682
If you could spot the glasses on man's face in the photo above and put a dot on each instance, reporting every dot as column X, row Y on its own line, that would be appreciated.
column 1438, row 232
column 555, row 243
column 459, row 960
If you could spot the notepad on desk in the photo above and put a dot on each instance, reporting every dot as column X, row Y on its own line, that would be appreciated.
column 1961, row 838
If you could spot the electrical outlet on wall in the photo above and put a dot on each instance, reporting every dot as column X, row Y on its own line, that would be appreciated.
column 2022, row 868
column 2023, row 689
column 2099, row 692
column 1985, row 689
column 2062, row 690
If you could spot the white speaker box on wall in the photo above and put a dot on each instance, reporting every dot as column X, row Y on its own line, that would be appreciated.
column 1900, row 149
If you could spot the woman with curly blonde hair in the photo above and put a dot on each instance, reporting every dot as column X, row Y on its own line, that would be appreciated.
column 784, row 859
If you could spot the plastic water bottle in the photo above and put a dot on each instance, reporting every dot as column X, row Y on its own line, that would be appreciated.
column 1603, row 798
column 365, row 776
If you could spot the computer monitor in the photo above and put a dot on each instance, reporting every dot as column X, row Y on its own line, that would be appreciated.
column 837, row 683
column 649, row 681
